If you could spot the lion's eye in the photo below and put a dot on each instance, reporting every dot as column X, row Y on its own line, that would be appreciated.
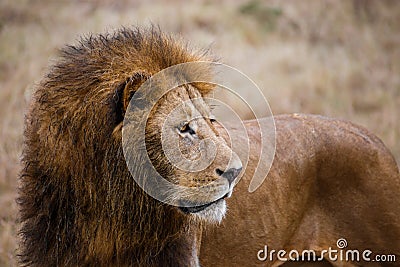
column 212, row 120
column 186, row 129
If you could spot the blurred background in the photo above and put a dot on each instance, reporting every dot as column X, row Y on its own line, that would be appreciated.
column 336, row 58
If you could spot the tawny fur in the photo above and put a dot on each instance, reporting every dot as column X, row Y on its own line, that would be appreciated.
column 330, row 179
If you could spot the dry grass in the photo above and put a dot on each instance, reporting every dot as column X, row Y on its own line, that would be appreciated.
column 343, row 63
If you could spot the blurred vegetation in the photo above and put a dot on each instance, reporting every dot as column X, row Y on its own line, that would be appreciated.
column 264, row 15
column 330, row 57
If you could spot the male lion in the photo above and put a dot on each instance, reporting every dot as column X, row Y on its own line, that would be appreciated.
column 79, row 204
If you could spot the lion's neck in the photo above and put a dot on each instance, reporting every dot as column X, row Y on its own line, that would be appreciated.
column 173, row 240
column 180, row 252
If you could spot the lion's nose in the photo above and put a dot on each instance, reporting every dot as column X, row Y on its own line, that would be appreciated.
column 229, row 174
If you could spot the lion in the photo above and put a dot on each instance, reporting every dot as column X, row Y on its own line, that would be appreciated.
column 330, row 180
column 79, row 204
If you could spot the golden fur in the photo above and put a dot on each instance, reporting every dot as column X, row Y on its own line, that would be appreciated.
column 330, row 179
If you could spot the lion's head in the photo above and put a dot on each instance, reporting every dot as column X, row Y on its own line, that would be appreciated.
column 185, row 147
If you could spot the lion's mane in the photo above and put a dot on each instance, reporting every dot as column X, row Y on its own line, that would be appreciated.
column 78, row 202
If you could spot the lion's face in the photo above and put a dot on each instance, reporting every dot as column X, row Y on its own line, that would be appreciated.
column 186, row 149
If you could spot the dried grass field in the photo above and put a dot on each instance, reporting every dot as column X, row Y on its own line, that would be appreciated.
column 336, row 58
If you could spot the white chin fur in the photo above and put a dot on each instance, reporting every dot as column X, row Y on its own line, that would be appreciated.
column 214, row 213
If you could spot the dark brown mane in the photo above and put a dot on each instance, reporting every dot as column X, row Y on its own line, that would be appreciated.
column 78, row 201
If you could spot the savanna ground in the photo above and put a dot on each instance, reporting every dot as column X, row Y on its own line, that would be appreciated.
column 336, row 58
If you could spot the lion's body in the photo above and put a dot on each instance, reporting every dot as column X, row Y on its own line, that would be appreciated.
column 330, row 179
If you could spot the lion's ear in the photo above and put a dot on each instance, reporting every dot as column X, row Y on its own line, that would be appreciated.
column 125, row 92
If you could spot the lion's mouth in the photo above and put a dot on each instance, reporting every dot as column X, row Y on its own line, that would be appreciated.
column 192, row 207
